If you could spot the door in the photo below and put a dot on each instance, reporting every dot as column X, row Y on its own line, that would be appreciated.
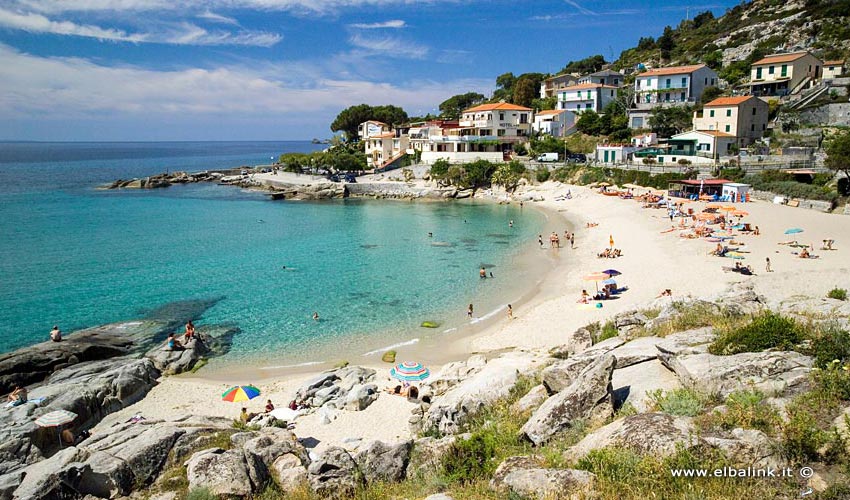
column 606, row 157
column 758, row 73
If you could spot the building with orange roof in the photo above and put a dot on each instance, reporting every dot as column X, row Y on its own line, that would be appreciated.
column 586, row 96
column 554, row 84
column 555, row 122
column 671, row 86
column 744, row 117
column 784, row 74
column 383, row 145
column 833, row 69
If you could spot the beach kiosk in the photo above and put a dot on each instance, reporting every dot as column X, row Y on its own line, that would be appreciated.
column 693, row 188
column 736, row 192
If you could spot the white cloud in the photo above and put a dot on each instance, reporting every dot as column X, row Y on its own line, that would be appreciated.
column 580, row 8
column 390, row 46
column 177, row 34
column 395, row 23
column 33, row 87
column 217, row 18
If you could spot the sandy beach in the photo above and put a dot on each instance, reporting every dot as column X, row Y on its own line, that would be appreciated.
column 652, row 260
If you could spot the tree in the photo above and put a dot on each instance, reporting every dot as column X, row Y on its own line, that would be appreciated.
column 505, row 87
column 702, row 18
column 547, row 144
column 710, row 94
column 526, row 89
column 590, row 64
column 646, row 43
column 350, row 118
column 440, row 168
column 589, row 123
column 713, row 60
column 544, row 103
column 666, row 43
column 838, row 153
column 668, row 121
column 505, row 176
column 452, row 107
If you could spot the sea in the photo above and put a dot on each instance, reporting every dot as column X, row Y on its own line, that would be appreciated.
column 374, row 270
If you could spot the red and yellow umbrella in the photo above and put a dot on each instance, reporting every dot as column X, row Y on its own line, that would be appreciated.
column 740, row 213
column 240, row 393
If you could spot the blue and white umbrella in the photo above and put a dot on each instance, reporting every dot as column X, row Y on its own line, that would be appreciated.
column 410, row 371
column 609, row 282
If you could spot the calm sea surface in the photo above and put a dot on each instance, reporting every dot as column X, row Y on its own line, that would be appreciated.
column 78, row 257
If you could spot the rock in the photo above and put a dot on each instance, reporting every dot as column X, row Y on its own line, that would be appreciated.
column 748, row 448
column 170, row 361
column 454, row 373
column 588, row 396
column 438, row 496
column 636, row 351
column 688, row 342
column 104, row 476
column 532, row 399
column 333, row 474
column 389, row 356
column 630, row 320
column 603, row 347
column 511, row 464
column 331, row 388
column 577, row 342
column 262, row 452
column 41, row 481
column 382, row 462
column 360, row 397
column 550, row 483
column 562, row 373
column 740, row 299
column 222, row 472
column 427, row 454
column 632, row 384
column 769, row 372
column 493, row 382
column 655, row 434
column 291, row 473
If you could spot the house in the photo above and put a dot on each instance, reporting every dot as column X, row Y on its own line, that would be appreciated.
column 587, row 96
column 612, row 154
column 645, row 140
column 384, row 148
column 784, row 74
column 673, row 86
column 487, row 132
column 698, row 147
column 745, row 117
column 371, row 128
column 555, row 122
column 604, row 77
column 833, row 69
column 552, row 85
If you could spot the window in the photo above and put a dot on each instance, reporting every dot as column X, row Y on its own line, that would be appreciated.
column 711, row 113
column 728, row 112
column 758, row 73
column 587, row 106
column 579, row 94
column 668, row 83
column 763, row 126
column 770, row 70
column 713, row 81
column 501, row 117
column 617, row 80
column 682, row 96
column 612, row 93
column 706, row 80
column 500, row 132
column 523, row 118
column 667, row 96
column 784, row 70
column 728, row 128
column 684, row 82
column 754, row 111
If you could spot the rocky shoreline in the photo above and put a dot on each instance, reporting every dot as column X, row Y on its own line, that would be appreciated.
column 581, row 380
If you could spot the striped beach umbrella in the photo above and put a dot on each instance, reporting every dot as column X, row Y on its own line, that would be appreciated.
column 240, row 393
column 55, row 418
column 409, row 371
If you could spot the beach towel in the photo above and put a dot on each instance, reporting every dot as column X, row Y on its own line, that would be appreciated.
column 35, row 401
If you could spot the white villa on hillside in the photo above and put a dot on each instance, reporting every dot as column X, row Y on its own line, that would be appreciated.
column 487, row 132
column 833, row 69
column 554, row 84
column 604, row 77
column 676, row 86
column 744, row 117
column 697, row 146
column 555, row 122
column 783, row 74
column 385, row 148
column 587, row 96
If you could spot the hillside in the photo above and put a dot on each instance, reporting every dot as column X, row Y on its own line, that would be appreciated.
column 746, row 33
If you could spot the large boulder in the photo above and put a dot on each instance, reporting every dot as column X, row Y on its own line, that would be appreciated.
column 694, row 341
column 493, row 382
column 290, row 471
column 636, row 351
column 360, row 397
column 531, row 400
column 740, row 299
column 567, row 484
column 332, row 388
column 633, row 383
column 42, row 481
column 222, row 472
column 656, row 434
column 173, row 361
column 748, row 448
column 589, row 396
column 379, row 461
column 262, row 451
column 333, row 474
column 427, row 454
column 770, row 372
column 562, row 373
column 454, row 373
column 576, row 342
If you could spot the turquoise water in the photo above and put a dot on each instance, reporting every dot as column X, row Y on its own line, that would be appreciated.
column 78, row 257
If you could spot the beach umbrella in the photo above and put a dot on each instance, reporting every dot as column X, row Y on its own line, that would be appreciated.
column 705, row 216
column 793, row 230
column 606, row 184
column 609, row 282
column 632, row 186
column 240, row 393
column 409, row 371
column 55, row 418
column 740, row 213
column 597, row 277
column 728, row 208
column 713, row 205
column 612, row 272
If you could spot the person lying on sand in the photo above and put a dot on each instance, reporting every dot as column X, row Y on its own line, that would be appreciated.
column 791, row 242
column 591, row 224
column 665, row 293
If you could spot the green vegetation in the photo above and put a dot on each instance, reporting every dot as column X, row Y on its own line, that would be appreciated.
column 350, row 118
column 744, row 409
column 590, row 64
column 837, row 293
column 451, row 108
column 671, row 120
column 609, row 331
column 201, row 494
column 830, row 344
column 679, row 402
column 838, row 153
column 345, row 157
column 612, row 123
column 765, row 331
column 470, row 459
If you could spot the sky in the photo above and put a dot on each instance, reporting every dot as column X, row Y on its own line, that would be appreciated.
column 152, row 70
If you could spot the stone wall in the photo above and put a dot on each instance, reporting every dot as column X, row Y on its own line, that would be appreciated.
column 831, row 114
column 821, row 206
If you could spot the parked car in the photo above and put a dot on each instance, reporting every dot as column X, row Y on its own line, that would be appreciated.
column 577, row 158
column 547, row 157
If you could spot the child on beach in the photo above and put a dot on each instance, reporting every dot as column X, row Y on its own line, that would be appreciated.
column 190, row 332
column 469, row 311
column 510, row 312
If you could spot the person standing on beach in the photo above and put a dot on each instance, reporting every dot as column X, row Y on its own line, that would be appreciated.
column 510, row 312
column 572, row 240
column 540, row 240
column 767, row 265
column 469, row 311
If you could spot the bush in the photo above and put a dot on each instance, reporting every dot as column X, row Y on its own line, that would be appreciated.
column 541, row 174
column 801, row 437
column 837, row 293
column 520, row 149
column 831, row 343
column 748, row 410
column 680, row 402
column 609, row 331
column 201, row 494
column 832, row 383
column 470, row 459
column 765, row 331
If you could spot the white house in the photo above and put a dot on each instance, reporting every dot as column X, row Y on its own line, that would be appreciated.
column 673, row 86
column 745, row 117
column 645, row 140
column 587, row 96
column 604, row 77
column 384, row 148
column 371, row 128
column 486, row 132
column 698, row 146
column 783, row 74
column 833, row 69
column 555, row 122
column 613, row 154
column 554, row 84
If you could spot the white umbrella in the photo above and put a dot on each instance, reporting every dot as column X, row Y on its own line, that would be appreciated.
column 285, row 414
column 56, row 419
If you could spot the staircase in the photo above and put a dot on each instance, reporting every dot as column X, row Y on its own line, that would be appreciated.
column 388, row 165
column 809, row 96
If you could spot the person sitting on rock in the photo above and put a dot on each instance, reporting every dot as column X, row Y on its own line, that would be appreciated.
column 172, row 344
column 190, row 332
column 18, row 396
column 56, row 334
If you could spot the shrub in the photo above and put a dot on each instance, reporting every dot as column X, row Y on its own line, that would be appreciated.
column 201, row 494
column 837, row 293
column 831, row 343
column 541, row 174
column 832, row 384
column 748, row 410
column 470, row 459
column 609, row 331
column 765, row 331
column 801, row 437
column 680, row 402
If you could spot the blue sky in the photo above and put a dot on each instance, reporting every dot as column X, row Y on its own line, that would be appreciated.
column 281, row 69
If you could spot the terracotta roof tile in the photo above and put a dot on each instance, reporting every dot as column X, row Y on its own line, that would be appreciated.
column 834, row 63
column 779, row 58
column 588, row 86
column 729, row 101
column 550, row 112
column 496, row 106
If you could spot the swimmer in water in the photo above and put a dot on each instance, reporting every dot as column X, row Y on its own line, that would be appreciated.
column 315, row 316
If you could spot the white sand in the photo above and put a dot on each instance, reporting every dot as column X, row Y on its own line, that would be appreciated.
column 651, row 262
